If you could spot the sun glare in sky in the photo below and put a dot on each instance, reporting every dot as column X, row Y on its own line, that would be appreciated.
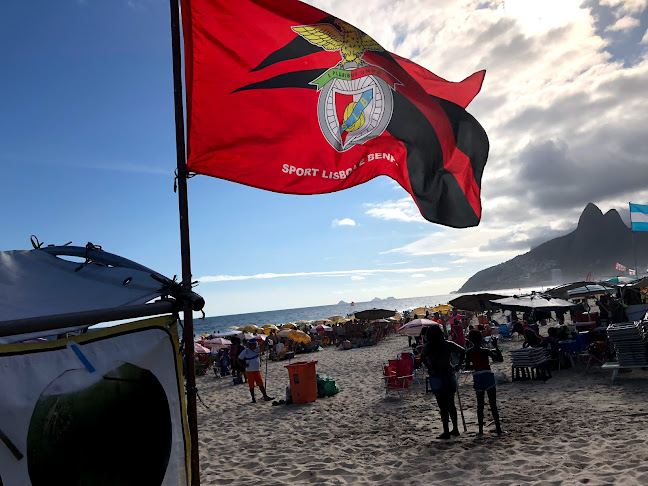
column 542, row 15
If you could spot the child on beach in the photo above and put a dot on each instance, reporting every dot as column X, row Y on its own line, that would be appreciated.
column 477, row 357
column 437, row 354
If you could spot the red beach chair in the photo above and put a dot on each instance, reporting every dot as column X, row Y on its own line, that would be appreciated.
column 406, row 367
column 393, row 382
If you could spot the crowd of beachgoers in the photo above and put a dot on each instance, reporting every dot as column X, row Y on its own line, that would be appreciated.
column 575, row 428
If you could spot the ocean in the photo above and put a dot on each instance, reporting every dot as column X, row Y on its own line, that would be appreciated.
column 222, row 323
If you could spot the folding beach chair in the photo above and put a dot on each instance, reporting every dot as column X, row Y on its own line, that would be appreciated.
column 393, row 382
column 504, row 331
column 406, row 368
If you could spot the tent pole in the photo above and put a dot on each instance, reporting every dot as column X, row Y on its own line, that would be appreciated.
column 188, row 331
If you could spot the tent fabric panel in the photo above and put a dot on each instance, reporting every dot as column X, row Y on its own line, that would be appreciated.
column 34, row 283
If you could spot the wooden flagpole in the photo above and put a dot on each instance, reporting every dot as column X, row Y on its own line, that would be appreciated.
column 187, row 333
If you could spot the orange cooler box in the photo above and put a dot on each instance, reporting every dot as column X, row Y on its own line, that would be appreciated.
column 303, row 381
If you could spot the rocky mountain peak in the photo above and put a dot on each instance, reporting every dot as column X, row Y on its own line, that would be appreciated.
column 591, row 215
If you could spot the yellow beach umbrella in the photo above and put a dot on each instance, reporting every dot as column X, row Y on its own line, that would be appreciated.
column 265, row 326
column 299, row 337
column 251, row 328
column 337, row 319
column 442, row 308
column 234, row 327
column 269, row 329
column 288, row 325
column 284, row 333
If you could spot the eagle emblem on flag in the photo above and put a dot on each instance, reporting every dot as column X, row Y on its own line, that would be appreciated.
column 355, row 98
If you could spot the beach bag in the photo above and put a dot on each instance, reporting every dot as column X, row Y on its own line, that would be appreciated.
column 326, row 387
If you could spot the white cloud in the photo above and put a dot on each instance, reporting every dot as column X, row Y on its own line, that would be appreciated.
column 626, row 6
column 418, row 275
column 333, row 273
column 624, row 23
column 556, row 105
column 401, row 210
column 644, row 39
column 460, row 260
column 357, row 277
column 343, row 222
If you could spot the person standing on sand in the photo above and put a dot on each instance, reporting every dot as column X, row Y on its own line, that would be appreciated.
column 437, row 355
column 250, row 360
column 477, row 357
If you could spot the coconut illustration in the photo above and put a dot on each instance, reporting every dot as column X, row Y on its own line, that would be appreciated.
column 101, row 429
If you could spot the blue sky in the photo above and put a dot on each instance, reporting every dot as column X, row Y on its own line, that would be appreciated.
column 87, row 147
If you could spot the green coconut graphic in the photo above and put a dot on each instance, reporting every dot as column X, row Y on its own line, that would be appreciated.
column 100, row 429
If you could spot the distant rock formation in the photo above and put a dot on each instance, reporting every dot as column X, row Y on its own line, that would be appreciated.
column 342, row 303
column 598, row 242
column 375, row 299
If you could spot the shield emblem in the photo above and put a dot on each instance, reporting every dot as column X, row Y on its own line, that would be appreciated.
column 350, row 112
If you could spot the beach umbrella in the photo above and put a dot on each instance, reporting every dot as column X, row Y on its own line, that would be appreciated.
column 251, row 328
column 269, row 329
column 234, row 327
column 536, row 302
column 218, row 343
column 288, row 325
column 284, row 333
column 441, row 308
column 420, row 311
column 561, row 291
column 589, row 290
column 621, row 280
column 372, row 314
column 381, row 321
column 337, row 319
column 413, row 328
column 321, row 328
column 299, row 337
column 198, row 348
column 259, row 338
column 476, row 302
column 322, row 321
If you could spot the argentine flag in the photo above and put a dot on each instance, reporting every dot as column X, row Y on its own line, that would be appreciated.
column 639, row 217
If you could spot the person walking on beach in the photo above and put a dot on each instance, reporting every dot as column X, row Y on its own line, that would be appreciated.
column 477, row 357
column 250, row 360
column 442, row 359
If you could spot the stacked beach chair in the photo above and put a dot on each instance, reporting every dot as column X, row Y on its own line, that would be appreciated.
column 631, row 342
column 529, row 364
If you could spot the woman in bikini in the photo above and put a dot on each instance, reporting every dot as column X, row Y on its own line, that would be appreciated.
column 477, row 358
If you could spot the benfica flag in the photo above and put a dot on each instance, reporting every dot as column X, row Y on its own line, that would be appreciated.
column 284, row 97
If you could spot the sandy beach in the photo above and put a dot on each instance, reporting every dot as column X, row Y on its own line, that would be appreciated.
column 575, row 428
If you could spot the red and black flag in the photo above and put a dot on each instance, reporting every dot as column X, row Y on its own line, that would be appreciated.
column 284, row 97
